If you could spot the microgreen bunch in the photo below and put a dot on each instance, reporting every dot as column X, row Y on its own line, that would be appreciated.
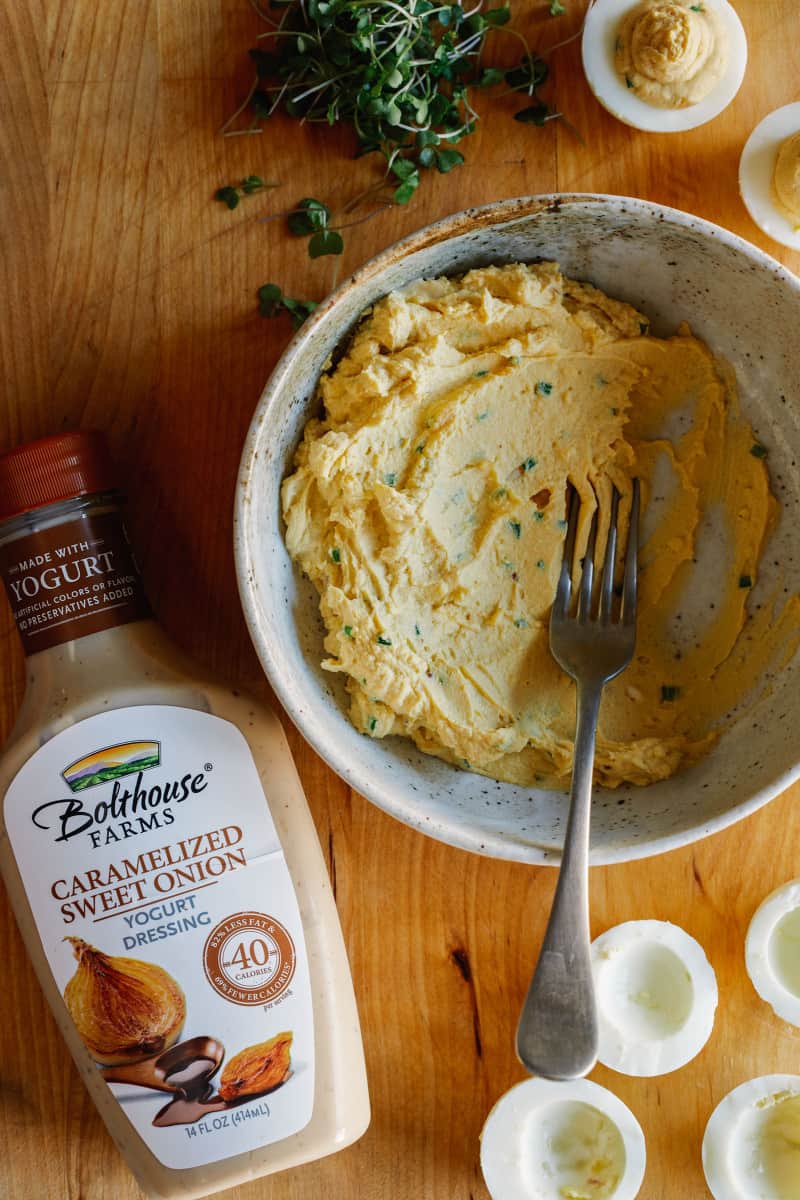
column 271, row 302
column 401, row 74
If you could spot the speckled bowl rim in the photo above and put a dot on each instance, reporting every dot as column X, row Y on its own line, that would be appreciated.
column 353, row 773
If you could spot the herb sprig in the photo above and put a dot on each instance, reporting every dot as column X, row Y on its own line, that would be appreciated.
column 232, row 193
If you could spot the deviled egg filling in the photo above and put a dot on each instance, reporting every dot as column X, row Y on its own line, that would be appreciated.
column 786, row 177
column 751, row 1148
column 671, row 54
column 561, row 1141
column 656, row 997
column 772, row 952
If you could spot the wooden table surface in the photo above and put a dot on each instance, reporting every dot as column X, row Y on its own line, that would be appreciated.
column 129, row 305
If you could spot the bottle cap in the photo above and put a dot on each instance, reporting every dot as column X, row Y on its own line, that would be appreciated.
column 52, row 469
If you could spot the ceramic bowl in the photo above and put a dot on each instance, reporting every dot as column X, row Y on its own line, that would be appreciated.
column 673, row 267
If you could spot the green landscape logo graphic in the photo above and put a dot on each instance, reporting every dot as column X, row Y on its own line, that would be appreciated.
column 114, row 761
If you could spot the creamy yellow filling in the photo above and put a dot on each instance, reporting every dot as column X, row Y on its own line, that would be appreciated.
column 671, row 54
column 428, row 507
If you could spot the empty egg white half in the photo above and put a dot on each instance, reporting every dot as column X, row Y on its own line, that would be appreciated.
column 656, row 997
column 756, row 170
column 751, row 1148
column 772, row 951
column 600, row 32
column 562, row 1141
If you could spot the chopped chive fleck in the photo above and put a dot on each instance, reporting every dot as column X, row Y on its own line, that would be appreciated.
column 348, row 630
column 498, row 494
column 669, row 691
column 538, row 515
column 521, row 623
column 373, row 721
column 390, row 479
column 643, row 327
column 629, row 82
column 562, row 524
column 483, row 415
column 528, row 465
column 382, row 641
column 540, row 563
column 480, row 374
column 515, row 528
column 544, row 388
column 602, row 381
column 420, row 447
column 697, row 8
column 335, row 555
column 514, row 360
column 758, row 451
column 745, row 581
column 416, row 631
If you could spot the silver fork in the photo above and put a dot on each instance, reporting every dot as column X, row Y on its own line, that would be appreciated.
column 557, row 1032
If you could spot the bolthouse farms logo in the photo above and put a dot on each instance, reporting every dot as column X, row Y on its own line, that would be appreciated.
column 111, row 763
column 137, row 803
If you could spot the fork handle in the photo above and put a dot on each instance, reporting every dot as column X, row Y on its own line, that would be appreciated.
column 557, row 1031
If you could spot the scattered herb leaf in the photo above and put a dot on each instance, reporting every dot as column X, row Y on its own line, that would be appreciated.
column 515, row 528
column 325, row 241
column 382, row 641
column 348, row 631
column 528, row 465
column 543, row 388
column 336, row 555
column 231, row 194
column 271, row 302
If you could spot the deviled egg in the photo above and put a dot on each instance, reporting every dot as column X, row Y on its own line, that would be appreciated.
column 656, row 997
column 769, row 175
column 751, row 1148
column 664, row 65
column 562, row 1141
column 772, row 951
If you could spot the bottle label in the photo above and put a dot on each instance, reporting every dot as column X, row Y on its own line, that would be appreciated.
column 166, row 911
column 72, row 579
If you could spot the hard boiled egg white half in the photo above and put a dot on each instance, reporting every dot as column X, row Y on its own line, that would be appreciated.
column 562, row 1141
column 656, row 997
column 598, row 47
column 757, row 174
column 751, row 1148
column 772, row 951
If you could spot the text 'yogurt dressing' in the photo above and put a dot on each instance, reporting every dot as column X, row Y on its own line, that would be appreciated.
column 162, row 863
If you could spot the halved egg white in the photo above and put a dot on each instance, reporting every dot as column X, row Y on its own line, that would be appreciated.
column 656, row 997
column 772, row 951
column 562, row 1141
column 597, row 47
column 756, row 168
column 751, row 1147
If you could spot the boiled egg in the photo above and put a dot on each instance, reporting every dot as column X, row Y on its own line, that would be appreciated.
column 656, row 997
column 751, row 1148
column 664, row 65
column 772, row 952
column 545, row 1140
column 769, row 175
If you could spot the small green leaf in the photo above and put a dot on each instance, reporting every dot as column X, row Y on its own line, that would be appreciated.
column 426, row 156
column 309, row 216
column 325, row 241
column 228, row 196
column 491, row 76
column 403, row 168
column 336, row 555
column 405, row 191
column 382, row 641
column 270, row 299
column 544, row 388
column 497, row 16
column 537, row 114
column 528, row 465
column 515, row 528
column 373, row 721
column 253, row 183
column 347, row 630
column 557, row 9
column 447, row 159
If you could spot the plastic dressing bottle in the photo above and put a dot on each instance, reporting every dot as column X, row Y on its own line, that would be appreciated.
column 162, row 862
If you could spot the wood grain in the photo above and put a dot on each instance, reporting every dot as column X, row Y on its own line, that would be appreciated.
column 129, row 304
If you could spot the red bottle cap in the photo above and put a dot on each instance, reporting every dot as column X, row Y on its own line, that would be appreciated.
column 52, row 469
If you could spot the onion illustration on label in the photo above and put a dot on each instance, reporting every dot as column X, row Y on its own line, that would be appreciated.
column 123, row 1008
column 257, row 1069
